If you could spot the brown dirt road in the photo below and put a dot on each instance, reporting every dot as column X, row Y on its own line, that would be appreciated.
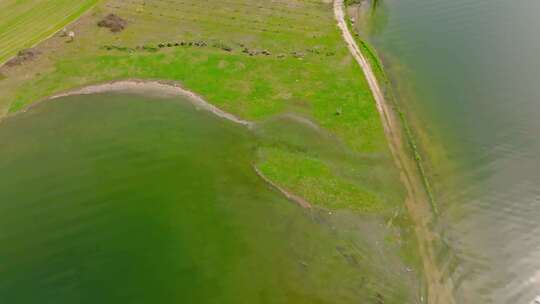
column 439, row 288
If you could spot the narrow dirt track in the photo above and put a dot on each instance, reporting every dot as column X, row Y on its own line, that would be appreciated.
column 417, row 201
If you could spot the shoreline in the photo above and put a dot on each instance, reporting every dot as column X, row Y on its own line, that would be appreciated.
column 169, row 89
column 161, row 88
column 291, row 197
column 417, row 202
column 153, row 87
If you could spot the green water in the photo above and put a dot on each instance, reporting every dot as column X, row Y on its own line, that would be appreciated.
column 469, row 71
column 117, row 198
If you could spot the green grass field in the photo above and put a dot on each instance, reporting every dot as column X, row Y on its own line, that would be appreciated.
column 24, row 23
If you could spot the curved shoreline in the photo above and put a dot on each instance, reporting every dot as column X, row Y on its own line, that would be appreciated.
column 153, row 87
column 418, row 202
column 171, row 89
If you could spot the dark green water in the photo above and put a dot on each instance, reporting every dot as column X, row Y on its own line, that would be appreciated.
column 470, row 71
column 128, row 199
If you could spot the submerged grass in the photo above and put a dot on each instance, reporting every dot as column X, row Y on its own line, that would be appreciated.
column 314, row 180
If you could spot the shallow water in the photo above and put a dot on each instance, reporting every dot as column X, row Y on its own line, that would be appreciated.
column 469, row 69
column 116, row 198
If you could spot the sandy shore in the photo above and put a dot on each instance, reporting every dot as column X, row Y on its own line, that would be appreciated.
column 418, row 202
column 154, row 88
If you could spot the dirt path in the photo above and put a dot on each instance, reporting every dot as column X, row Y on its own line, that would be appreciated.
column 417, row 202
